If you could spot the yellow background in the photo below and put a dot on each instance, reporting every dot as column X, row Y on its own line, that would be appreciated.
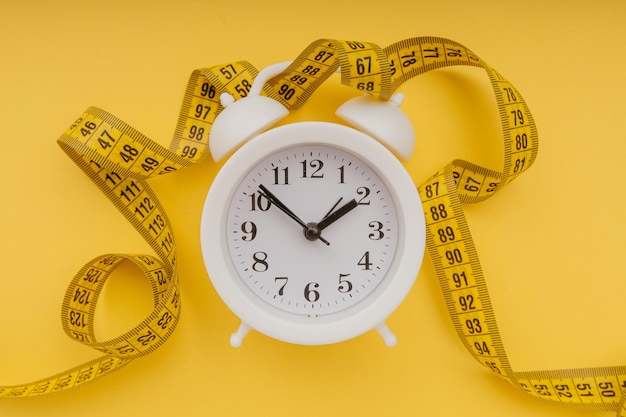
column 552, row 243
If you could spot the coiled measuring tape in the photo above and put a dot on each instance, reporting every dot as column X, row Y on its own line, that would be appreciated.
column 120, row 160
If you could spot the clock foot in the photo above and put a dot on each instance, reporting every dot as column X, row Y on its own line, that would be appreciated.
column 384, row 332
column 236, row 339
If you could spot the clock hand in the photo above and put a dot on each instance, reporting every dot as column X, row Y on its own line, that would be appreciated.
column 331, row 210
column 336, row 215
column 274, row 200
column 310, row 230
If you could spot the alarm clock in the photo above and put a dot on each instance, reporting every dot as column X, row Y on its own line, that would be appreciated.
column 312, row 232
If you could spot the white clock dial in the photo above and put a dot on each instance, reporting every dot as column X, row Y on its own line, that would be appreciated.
column 274, row 238
column 312, row 233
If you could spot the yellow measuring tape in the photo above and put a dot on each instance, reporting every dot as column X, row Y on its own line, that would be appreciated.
column 120, row 160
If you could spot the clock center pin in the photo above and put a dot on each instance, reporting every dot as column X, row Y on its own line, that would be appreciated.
column 312, row 231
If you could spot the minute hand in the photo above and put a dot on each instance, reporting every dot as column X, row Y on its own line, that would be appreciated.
column 310, row 232
column 336, row 215
column 274, row 200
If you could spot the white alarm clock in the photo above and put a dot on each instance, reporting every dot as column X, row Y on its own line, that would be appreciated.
column 312, row 232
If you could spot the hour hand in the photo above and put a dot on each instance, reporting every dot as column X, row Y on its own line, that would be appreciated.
column 336, row 215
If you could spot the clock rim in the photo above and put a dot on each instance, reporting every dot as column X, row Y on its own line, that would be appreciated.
column 332, row 327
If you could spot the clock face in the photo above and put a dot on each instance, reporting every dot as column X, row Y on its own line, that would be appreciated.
column 311, row 230
column 312, row 233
